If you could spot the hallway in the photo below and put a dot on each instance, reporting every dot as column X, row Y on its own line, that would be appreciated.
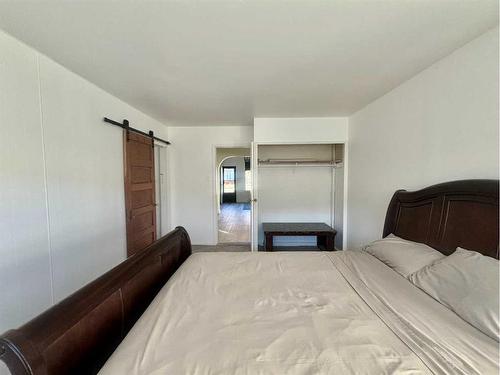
column 234, row 223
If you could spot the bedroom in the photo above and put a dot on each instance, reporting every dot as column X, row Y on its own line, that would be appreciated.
column 341, row 104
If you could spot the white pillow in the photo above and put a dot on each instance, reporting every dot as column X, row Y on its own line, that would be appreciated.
column 467, row 283
column 405, row 257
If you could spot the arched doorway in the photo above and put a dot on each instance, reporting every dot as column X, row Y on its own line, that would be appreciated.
column 233, row 199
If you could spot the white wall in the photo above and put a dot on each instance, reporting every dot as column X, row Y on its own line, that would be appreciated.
column 301, row 130
column 62, row 219
column 192, row 164
column 441, row 125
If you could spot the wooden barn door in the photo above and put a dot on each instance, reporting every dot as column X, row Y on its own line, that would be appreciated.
column 139, row 191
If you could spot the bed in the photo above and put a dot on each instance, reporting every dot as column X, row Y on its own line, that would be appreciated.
column 165, row 311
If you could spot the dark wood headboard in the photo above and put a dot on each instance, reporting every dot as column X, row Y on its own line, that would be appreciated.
column 458, row 213
column 77, row 335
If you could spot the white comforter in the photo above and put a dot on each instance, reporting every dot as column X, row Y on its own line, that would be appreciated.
column 298, row 313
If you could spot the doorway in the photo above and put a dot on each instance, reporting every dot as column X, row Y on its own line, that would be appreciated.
column 233, row 195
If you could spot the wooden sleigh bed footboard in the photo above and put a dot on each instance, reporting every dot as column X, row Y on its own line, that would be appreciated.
column 77, row 335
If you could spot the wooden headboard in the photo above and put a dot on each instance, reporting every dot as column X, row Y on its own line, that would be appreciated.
column 77, row 335
column 459, row 213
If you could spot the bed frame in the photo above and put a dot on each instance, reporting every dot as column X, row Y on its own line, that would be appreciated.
column 78, row 335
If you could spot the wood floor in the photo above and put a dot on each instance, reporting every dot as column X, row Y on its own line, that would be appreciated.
column 234, row 223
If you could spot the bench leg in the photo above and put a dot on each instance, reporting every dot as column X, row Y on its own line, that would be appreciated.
column 330, row 245
column 320, row 242
column 268, row 242
column 325, row 242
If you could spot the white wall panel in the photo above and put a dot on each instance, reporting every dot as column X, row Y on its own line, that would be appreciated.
column 24, row 245
column 84, row 160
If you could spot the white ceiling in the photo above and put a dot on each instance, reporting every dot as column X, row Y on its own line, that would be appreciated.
column 225, row 62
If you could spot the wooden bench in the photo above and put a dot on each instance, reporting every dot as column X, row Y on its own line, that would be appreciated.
column 325, row 234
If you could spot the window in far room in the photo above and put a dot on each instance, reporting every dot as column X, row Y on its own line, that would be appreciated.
column 229, row 180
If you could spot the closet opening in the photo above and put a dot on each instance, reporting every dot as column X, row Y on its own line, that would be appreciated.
column 300, row 191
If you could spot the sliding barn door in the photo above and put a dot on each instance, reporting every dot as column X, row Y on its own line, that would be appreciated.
column 139, row 191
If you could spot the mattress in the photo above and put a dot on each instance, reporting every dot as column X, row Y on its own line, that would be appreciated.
column 340, row 312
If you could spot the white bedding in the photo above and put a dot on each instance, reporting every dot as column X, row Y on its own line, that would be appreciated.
column 298, row 313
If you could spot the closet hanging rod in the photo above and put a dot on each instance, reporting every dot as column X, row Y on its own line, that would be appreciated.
column 297, row 161
column 334, row 166
column 126, row 126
